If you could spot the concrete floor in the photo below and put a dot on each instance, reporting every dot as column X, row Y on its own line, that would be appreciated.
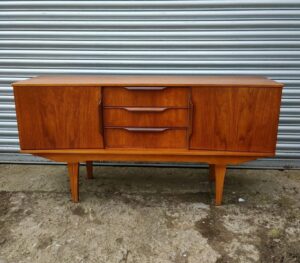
column 148, row 215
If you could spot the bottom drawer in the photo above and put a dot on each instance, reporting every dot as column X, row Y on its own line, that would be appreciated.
column 145, row 138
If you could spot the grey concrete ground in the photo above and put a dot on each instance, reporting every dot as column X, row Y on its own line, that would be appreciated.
column 148, row 215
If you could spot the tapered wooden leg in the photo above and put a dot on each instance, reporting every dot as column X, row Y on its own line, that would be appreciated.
column 73, row 174
column 220, row 171
column 211, row 176
column 89, row 170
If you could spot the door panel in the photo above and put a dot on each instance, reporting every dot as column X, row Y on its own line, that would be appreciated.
column 235, row 119
column 58, row 117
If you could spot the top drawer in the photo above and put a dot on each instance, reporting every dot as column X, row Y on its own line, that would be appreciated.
column 146, row 96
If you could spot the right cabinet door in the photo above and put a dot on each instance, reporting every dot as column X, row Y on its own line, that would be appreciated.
column 235, row 118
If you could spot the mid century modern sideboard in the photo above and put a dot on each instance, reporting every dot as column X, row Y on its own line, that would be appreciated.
column 218, row 120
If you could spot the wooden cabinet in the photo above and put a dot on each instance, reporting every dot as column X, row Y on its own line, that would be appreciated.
column 219, row 120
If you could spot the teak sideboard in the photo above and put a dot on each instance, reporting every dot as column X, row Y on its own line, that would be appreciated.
column 218, row 120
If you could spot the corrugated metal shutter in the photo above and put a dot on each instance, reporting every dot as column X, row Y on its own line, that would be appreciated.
column 152, row 37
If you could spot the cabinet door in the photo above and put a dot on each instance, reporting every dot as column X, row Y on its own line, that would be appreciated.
column 235, row 119
column 58, row 117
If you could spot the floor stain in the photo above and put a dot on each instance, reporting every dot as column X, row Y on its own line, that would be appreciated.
column 78, row 210
column 44, row 242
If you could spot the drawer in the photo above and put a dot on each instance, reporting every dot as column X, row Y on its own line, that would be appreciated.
column 146, row 117
column 146, row 96
column 145, row 138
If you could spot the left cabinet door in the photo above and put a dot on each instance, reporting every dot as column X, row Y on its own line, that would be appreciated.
column 59, row 117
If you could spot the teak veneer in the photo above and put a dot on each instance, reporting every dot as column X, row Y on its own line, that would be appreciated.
column 219, row 120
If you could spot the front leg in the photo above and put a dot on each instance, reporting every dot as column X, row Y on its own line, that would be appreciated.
column 219, row 175
column 73, row 169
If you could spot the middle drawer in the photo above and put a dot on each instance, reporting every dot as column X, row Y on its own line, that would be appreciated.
column 145, row 117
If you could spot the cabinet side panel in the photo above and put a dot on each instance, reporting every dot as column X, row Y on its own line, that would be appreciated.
column 58, row 117
column 235, row 119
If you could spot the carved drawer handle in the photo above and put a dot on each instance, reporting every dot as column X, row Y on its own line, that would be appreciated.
column 144, row 109
column 145, row 88
column 146, row 129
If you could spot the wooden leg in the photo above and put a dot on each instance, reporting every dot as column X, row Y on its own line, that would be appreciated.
column 220, row 171
column 89, row 170
column 73, row 174
column 211, row 176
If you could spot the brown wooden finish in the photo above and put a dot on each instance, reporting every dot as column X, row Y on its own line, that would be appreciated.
column 191, row 117
column 89, row 170
column 218, row 120
column 211, row 176
column 101, row 117
column 169, row 97
column 141, row 88
column 73, row 168
column 148, row 155
column 58, row 118
column 139, row 80
column 219, row 175
column 230, row 119
column 129, row 137
column 149, row 152
column 146, row 117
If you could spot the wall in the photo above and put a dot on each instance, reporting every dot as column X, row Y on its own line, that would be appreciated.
column 152, row 37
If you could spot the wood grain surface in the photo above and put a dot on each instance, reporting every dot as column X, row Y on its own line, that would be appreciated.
column 148, row 155
column 64, row 118
column 169, row 97
column 146, row 117
column 244, row 119
column 153, row 80
column 135, row 138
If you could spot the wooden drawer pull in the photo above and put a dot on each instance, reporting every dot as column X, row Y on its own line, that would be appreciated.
column 145, row 109
column 145, row 88
column 146, row 129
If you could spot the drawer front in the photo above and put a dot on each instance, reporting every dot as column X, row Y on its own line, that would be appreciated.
column 146, row 117
column 146, row 96
column 145, row 138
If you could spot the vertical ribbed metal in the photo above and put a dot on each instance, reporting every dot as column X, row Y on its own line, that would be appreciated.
column 259, row 37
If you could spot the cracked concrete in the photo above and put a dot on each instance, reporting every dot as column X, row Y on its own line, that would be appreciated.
column 146, row 215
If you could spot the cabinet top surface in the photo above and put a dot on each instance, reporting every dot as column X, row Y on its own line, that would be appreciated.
column 149, row 80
